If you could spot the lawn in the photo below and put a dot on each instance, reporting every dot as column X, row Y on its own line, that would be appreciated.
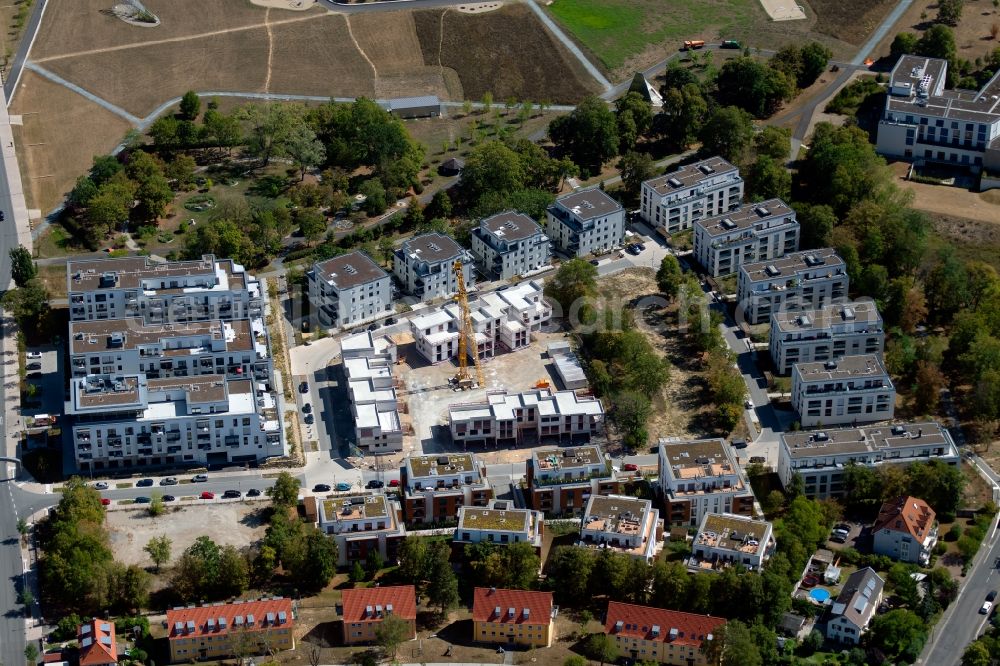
column 616, row 30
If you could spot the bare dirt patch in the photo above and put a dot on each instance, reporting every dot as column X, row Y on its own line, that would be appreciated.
column 946, row 200
column 238, row 524
column 972, row 34
column 61, row 133
column 506, row 52
column 850, row 21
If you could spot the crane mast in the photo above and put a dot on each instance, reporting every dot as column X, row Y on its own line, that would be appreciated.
column 467, row 335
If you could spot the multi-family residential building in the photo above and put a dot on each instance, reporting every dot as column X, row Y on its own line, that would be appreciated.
column 499, row 523
column 799, row 281
column 821, row 456
column 161, row 292
column 435, row 487
column 371, row 387
column 348, row 290
column 561, row 480
column 222, row 631
column 512, row 617
column 365, row 608
column 753, row 232
column 361, row 524
column 502, row 320
column 726, row 539
column 849, row 390
column 924, row 122
column 238, row 348
column 674, row 201
column 536, row 415
column 509, row 244
column 828, row 333
column 627, row 525
column 123, row 421
column 700, row 477
column 905, row 530
column 585, row 222
column 98, row 646
column 855, row 606
column 425, row 266
column 644, row 633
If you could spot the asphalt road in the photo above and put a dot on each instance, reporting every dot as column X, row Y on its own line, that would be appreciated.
column 23, row 47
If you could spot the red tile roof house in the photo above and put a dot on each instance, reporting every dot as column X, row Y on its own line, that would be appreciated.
column 365, row 608
column 905, row 530
column 669, row 637
column 512, row 617
column 97, row 643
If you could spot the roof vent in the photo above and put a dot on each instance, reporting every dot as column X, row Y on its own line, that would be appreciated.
column 830, row 365
column 848, row 313
column 705, row 169
column 728, row 224
column 762, row 211
column 898, row 430
column 821, row 436
column 673, row 182
column 772, row 270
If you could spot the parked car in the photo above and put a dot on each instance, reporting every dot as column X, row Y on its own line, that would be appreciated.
column 321, row 488
column 34, row 365
column 34, row 375
column 199, row 478
column 169, row 481
column 375, row 483
column 343, row 486
column 231, row 494
column 101, row 485
column 991, row 596
column 389, row 321
column 143, row 483
column 748, row 403
column 207, row 495
column 307, row 408
column 630, row 467
column 169, row 498
column 304, row 387
column 253, row 492
column 595, row 262
column 143, row 500
column 986, row 608
column 739, row 443
column 309, row 419
column 34, row 354
column 394, row 483
column 105, row 501
column 373, row 327
column 730, row 44
column 758, row 459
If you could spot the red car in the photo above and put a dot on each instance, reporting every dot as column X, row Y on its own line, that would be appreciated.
column 630, row 467
column 105, row 501
column 394, row 483
column 207, row 495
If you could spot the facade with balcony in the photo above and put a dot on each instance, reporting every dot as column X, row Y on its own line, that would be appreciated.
column 424, row 265
column 161, row 292
column 372, row 389
column 804, row 280
column 701, row 477
column 561, row 480
column 436, row 487
column 348, row 290
column 836, row 330
column 124, row 421
column 725, row 539
column 850, row 390
column 510, row 244
column 751, row 233
column 585, row 222
column 627, row 525
column 499, row 523
column 361, row 524
column 675, row 201
column 906, row 530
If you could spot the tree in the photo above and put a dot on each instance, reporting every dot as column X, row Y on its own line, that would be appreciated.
column 635, row 116
column 577, row 660
column 602, row 647
column 669, row 276
column 938, row 41
column 768, row 179
column 682, row 115
column 158, row 549
column 442, row 591
column 575, row 280
column 631, row 412
column 312, row 223
column 29, row 304
column 492, row 167
column 903, row 43
column 440, row 206
column 31, row 652
column 305, row 149
column 588, row 135
column 190, row 105
column 319, row 561
column 976, row 654
column 110, row 206
column 285, row 491
column 774, row 142
column 727, row 132
column 156, row 507
column 375, row 197
column 412, row 557
column 753, row 86
column 269, row 128
column 734, row 647
column 391, row 631
column 816, row 222
column 899, row 634
column 635, row 168
column 815, row 58
column 181, row 170
column 929, row 382
column 22, row 269
column 949, row 12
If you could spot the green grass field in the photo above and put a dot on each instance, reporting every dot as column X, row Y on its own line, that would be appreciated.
column 616, row 30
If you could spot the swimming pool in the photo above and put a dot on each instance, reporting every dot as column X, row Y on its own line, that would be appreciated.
column 820, row 594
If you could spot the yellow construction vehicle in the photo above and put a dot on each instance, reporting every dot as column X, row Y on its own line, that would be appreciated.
column 467, row 336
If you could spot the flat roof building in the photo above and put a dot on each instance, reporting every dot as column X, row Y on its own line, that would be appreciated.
column 804, row 280
column 510, row 244
column 725, row 539
column 848, row 390
column 349, row 289
column 560, row 480
column 627, row 525
column 361, row 524
column 753, row 232
column 700, row 477
column 499, row 523
column 674, row 201
column 424, row 265
column 585, row 222
column 436, row 486
column 833, row 331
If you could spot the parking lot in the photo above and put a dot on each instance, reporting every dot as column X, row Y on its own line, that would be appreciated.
column 46, row 374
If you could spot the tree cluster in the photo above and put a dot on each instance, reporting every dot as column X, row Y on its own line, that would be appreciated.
column 512, row 175
column 938, row 484
column 427, row 566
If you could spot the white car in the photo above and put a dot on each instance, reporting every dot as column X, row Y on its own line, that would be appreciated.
column 101, row 485
column 34, row 354
column 986, row 608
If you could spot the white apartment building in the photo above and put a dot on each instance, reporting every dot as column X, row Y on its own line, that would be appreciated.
column 425, row 266
column 375, row 408
column 825, row 334
column 122, row 421
column 923, row 122
column 238, row 348
column 510, row 244
column 435, row 487
column 502, row 321
column 561, row 480
column 753, row 232
column 846, row 391
column 500, row 523
column 624, row 524
column 585, row 222
column 800, row 281
column 161, row 292
column 349, row 289
column 674, row 201
column 725, row 539
column 701, row 477
column 361, row 524
column 821, row 456
column 530, row 416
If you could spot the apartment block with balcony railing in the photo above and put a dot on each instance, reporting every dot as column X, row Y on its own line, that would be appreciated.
column 435, row 487
column 849, row 390
column 348, row 290
column 825, row 334
column 561, row 480
column 424, row 266
column 804, row 280
column 697, row 477
column 510, row 244
column 585, row 222
column 754, row 232
column 674, row 201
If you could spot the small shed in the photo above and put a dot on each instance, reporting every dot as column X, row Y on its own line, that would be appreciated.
column 451, row 167
column 427, row 106
column 791, row 624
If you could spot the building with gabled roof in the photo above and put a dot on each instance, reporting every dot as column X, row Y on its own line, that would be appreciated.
column 855, row 606
column 217, row 631
column 905, row 530
column 365, row 608
column 656, row 634
column 512, row 617
column 98, row 646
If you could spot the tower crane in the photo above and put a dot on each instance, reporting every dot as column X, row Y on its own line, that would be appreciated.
column 467, row 335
